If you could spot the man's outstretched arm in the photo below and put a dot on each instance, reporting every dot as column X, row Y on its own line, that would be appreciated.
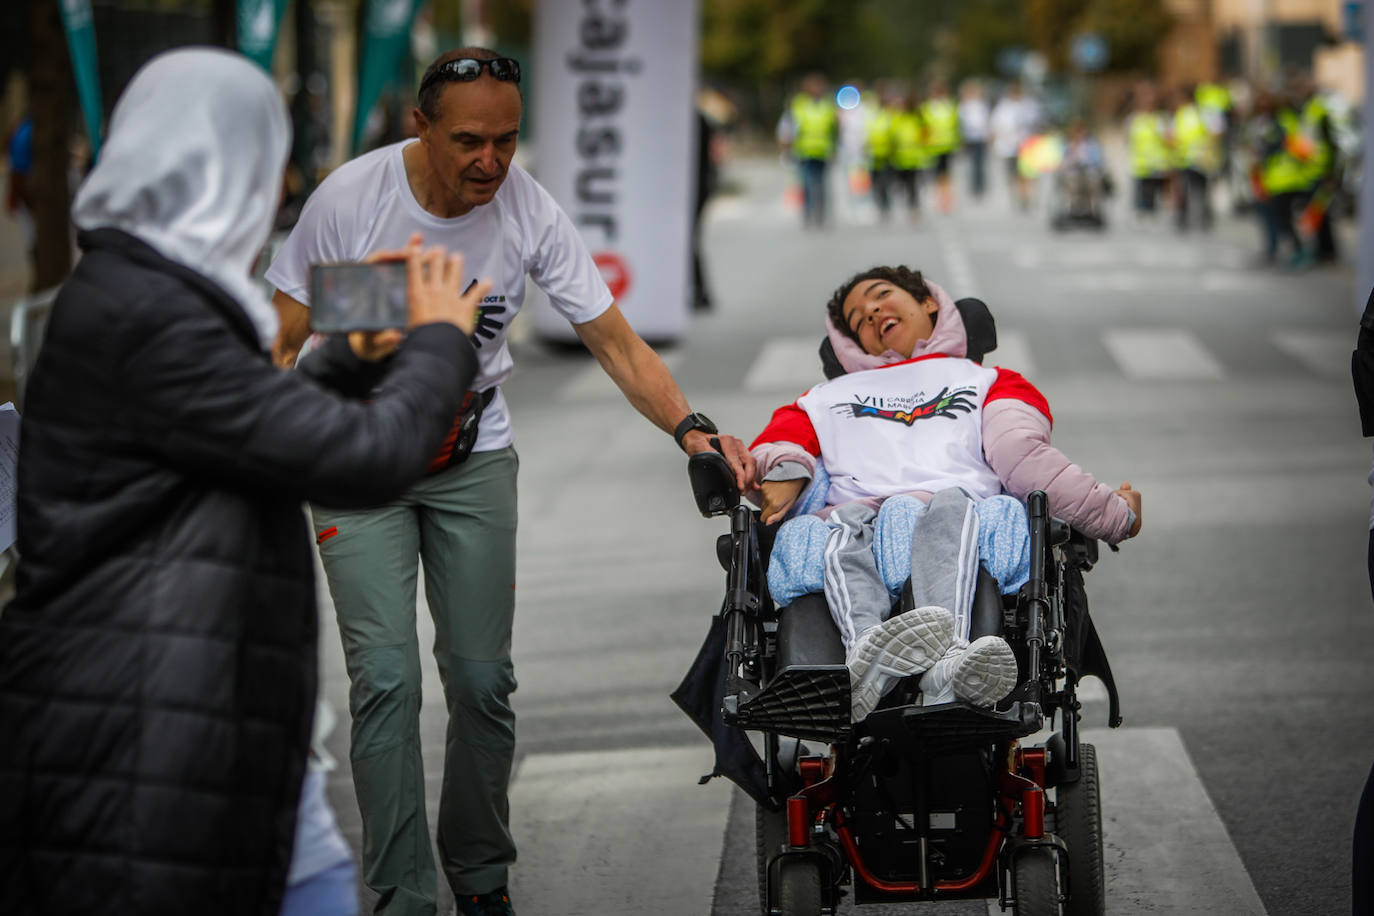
column 640, row 374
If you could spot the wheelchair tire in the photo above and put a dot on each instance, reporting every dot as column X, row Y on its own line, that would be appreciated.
column 799, row 887
column 770, row 833
column 1035, row 875
column 1078, row 822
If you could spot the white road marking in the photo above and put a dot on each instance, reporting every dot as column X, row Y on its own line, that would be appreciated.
column 1013, row 352
column 1027, row 257
column 961, row 278
column 790, row 364
column 1159, row 821
column 1325, row 353
column 592, row 383
column 631, row 832
column 617, row 832
column 1233, row 281
column 1161, row 355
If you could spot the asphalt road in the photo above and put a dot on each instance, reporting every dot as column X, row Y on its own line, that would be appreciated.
column 1238, row 623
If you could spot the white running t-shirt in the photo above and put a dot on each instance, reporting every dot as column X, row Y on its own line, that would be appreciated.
column 366, row 205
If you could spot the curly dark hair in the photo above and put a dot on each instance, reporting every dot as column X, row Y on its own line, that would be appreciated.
column 903, row 277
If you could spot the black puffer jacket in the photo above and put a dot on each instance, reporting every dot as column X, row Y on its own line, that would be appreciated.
column 157, row 665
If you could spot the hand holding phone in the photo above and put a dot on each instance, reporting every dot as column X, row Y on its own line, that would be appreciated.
column 435, row 286
column 358, row 297
column 392, row 290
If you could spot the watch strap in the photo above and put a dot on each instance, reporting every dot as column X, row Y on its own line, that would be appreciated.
column 690, row 422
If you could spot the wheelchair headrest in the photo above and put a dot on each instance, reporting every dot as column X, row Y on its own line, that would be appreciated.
column 979, row 327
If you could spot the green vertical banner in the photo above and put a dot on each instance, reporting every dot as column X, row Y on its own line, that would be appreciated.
column 385, row 40
column 80, row 26
column 258, row 23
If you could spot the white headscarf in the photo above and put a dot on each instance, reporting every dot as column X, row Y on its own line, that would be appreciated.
column 193, row 167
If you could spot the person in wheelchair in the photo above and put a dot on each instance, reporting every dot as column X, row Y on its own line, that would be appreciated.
column 1081, row 182
column 913, row 427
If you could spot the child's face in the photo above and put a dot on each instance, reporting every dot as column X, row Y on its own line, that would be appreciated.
column 886, row 317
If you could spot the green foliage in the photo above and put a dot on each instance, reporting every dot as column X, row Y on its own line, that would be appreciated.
column 982, row 29
column 1051, row 26
column 509, row 21
column 1133, row 30
column 756, row 42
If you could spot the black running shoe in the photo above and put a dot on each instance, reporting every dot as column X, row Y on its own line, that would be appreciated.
column 493, row 903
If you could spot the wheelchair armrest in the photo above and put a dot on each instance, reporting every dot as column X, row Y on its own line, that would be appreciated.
column 1079, row 549
column 713, row 483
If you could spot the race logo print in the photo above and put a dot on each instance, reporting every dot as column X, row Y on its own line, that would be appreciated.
column 488, row 322
column 945, row 404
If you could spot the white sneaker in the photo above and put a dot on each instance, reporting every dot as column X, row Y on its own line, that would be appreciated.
column 896, row 648
column 981, row 673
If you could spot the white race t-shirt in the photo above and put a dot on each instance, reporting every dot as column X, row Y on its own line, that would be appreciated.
column 366, row 205
column 912, row 426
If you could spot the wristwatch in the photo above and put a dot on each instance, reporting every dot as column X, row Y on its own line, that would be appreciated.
column 690, row 422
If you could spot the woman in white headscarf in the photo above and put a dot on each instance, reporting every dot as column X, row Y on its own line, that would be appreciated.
column 157, row 664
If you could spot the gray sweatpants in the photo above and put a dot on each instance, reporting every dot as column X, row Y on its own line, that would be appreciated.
column 944, row 564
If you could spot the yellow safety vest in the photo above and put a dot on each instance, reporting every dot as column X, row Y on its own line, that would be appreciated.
column 1213, row 97
column 815, row 121
column 1194, row 145
column 1149, row 153
column 909, row 141
column 942, row 125
column 1283, row 171
column 1310, row 123
column 880, row 138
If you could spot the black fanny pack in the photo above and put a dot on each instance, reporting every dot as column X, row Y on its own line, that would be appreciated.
column 463, row 435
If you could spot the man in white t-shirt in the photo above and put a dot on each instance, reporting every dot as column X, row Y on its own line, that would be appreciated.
column 1014, row 118
column 456, row 186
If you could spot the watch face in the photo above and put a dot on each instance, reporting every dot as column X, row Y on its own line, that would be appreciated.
column 693, row 421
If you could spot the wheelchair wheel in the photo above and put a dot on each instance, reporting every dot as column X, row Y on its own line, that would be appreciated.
column 799, row 887
column 770, row 833
column 1035, row 875
column 1078, row 822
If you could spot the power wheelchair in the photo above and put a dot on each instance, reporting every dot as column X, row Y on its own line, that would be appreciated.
column 914, row 803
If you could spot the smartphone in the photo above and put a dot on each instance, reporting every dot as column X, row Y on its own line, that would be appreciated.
column 358, row 297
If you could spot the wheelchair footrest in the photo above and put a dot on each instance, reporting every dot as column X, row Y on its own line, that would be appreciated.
column 948, row 726
column 801, row 701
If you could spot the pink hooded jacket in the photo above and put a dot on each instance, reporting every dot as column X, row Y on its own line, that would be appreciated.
column 1016, row 438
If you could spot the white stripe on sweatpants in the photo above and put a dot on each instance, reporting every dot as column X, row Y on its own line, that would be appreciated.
column 836, row 595
column 968, row 572
column 946, row 533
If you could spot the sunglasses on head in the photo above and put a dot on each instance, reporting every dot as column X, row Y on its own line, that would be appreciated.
column 467, row 69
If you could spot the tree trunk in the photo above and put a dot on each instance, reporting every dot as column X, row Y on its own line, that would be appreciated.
column 50, row 99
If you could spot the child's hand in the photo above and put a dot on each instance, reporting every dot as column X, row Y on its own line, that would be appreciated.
column 778, row 497
column 1132, row 498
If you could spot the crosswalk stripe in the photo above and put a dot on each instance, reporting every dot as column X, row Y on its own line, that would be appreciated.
column 592, row 383
column 791, row 365
column 1325, row 353
column 617, row 832
column 639, row 812
column 1013, row 352
column 1166, row 849
column 961, row 276
column 785, row 364
column 1161, row 355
